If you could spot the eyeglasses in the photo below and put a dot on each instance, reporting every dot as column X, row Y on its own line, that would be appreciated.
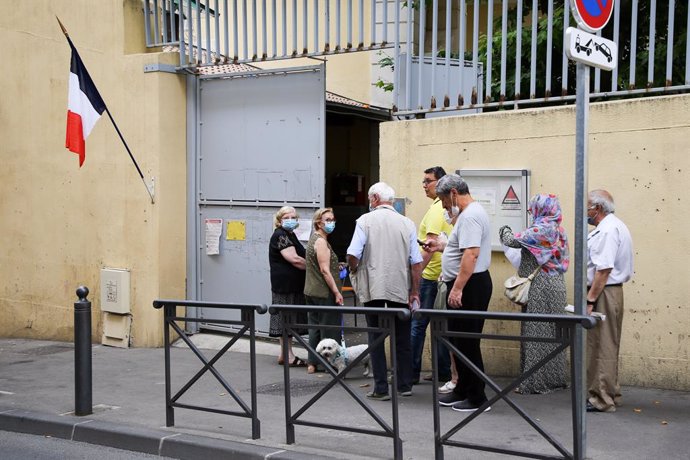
column 428, row 181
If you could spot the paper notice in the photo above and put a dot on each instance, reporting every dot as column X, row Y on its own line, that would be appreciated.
column 214, row 228
column 486, row 197
column 237, row 230
column 303, row 232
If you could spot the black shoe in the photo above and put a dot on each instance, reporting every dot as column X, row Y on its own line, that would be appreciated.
column 379, row 396
column 467, row 406
column 592, row 408
column 449, row 399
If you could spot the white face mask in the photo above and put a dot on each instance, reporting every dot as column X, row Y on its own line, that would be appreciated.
column 446, row 216
column 454, row 212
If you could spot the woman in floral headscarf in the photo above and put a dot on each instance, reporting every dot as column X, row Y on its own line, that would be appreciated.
column 543, row 245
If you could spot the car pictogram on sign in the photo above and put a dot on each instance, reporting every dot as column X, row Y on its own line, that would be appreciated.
column 603, row 49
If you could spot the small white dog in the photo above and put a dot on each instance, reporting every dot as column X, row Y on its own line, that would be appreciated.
column 339, row 357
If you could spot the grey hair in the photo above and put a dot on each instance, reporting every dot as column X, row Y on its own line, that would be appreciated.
column 383, row 190
column 449, row 182
column 603, row 199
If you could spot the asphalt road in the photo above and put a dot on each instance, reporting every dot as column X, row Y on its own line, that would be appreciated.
column 19, row 446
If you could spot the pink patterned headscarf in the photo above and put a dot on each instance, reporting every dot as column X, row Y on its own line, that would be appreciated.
column 545, row 238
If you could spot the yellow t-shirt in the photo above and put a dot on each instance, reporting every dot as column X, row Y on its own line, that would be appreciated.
column 434, row 223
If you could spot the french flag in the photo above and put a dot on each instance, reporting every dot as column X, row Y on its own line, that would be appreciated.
column 84, row 107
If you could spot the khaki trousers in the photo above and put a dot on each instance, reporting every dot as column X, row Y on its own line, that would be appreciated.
column 603, row 345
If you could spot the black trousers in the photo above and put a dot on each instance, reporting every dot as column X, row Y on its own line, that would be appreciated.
column 402, row 350
column 475, row 296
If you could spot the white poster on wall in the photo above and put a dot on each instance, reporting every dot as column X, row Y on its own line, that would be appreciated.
column 214, row 227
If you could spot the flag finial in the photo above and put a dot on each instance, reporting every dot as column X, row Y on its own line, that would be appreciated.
column 64, row 31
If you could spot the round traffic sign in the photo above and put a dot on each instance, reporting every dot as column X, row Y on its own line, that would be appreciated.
column 592, row 15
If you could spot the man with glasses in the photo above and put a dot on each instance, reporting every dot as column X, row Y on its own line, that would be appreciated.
column 432, row 225
column 609, row 265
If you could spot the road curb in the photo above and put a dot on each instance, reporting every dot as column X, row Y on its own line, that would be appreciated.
column 137, row 438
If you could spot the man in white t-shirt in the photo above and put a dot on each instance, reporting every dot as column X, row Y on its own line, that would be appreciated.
column 609, row 265
column 465, row 269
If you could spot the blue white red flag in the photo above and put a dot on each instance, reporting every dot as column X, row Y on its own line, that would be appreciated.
column 84, row 107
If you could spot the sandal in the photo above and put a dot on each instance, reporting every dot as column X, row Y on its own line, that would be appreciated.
column 298, row 362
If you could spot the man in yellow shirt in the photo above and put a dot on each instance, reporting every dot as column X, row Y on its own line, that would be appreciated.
column 432, row 225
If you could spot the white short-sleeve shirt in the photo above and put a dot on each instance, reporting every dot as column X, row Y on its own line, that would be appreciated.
column 609, row 245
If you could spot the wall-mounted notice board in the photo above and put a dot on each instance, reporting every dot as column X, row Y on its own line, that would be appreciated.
column 504, row 193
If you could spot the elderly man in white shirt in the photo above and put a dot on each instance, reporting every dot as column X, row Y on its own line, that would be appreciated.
column 609, row 265
column 385, row 264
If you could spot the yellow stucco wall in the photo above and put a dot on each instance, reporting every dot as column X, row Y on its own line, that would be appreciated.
column 60, row 224
column 638, row 151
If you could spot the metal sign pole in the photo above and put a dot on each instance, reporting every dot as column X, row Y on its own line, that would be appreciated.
column 581, row 133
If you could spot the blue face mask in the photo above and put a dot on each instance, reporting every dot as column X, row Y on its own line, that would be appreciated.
column 289, row 224
column 329, row 227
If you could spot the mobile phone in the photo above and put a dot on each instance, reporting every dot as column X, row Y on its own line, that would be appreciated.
column 422, row 243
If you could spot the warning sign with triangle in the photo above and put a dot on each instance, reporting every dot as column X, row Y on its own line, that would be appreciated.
column 510, row 200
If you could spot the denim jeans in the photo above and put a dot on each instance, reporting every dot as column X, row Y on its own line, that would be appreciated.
column 427, row 294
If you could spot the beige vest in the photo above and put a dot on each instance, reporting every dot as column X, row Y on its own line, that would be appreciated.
column 384, row 271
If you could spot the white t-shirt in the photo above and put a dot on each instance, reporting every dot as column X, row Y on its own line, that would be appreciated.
column 609, row 245
column 472, row 230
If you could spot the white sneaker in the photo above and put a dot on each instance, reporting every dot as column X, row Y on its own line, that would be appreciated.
column 447, row 387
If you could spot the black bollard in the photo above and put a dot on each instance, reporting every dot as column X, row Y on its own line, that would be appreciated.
column 82, row 353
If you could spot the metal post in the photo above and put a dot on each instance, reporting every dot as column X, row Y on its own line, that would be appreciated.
column 248, row 316
column 82, row 353
column 168, row 312
column 581, row 133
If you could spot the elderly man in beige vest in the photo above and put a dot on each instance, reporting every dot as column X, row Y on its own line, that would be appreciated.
column 385, row 263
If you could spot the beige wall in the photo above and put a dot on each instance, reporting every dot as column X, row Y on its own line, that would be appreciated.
column 638, row 151
column 61, row 224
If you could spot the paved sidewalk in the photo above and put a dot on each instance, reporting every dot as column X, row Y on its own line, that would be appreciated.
column 37, row 395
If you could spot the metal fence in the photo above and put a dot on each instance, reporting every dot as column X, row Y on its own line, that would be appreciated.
column 519, row 44
column 385, row 329
column 242, row 31
column 477, row 54
column 248, row 326
column 565, row 327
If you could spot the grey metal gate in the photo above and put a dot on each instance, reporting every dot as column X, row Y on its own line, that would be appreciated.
column 260, row 145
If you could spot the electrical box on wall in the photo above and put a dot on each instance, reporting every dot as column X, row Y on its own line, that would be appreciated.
column 115, row 290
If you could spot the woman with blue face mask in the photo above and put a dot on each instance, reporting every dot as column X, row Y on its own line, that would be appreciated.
column 322, row 285
column 286, row 260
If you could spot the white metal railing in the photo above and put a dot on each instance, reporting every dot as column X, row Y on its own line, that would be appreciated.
column 243, row 31
column 520, row 46
column 511, row 50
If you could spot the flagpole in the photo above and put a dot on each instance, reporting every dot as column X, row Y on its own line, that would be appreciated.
column 112, row 120
column 130, row 153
